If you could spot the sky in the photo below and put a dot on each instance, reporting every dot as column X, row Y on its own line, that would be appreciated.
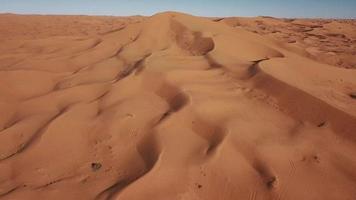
column 218, row 8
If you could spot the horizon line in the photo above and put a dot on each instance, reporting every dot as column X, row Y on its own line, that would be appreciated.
column 135, row 15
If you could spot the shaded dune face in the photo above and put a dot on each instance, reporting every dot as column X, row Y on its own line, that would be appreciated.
column 171, row 107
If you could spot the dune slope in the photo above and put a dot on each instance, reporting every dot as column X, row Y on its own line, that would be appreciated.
column 171, row 106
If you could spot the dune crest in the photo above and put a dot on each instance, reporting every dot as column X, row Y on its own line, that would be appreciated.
column 170, row 106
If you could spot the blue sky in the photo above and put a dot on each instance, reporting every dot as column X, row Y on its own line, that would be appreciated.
column 277, row 8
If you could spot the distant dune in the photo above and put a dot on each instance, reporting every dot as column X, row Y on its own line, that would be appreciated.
column 177, row 107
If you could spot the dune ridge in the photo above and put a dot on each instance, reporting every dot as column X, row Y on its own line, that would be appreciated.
column 171, row 106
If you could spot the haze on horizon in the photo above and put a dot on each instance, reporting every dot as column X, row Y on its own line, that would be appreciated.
column 275, row 8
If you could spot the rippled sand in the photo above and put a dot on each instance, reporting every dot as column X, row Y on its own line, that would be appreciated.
column 175, row 106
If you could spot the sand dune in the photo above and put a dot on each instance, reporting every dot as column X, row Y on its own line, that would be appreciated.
column 175, row 106
column 328, row 41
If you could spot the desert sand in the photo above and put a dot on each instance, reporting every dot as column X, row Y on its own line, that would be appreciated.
column 177, row 107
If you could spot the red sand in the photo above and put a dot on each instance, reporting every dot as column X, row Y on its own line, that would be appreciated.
column 177, row 107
